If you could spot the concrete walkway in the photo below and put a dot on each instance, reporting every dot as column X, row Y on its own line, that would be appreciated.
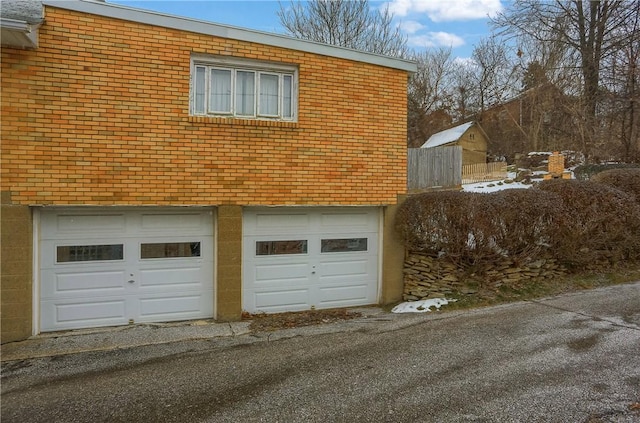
column 112, row 338
column 139, row 335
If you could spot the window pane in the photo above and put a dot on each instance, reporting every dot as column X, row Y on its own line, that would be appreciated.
column 71, row 253
column 199, row 90
column 170, row 249
column 343, row 245
column 269, row 94
column 245, row 93
column 269, row 248
column 287, row 96
column 220, row 95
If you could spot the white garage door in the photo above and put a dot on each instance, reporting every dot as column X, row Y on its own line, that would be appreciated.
column 104, row 267
column 301, row 258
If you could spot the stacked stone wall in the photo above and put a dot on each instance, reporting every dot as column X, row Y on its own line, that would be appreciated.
column 430, row 277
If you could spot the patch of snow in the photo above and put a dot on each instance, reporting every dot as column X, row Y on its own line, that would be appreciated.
column 493, row 186
column 447, row 136
column 421, row 306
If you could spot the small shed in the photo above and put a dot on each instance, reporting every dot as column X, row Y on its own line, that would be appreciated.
column 469, row 136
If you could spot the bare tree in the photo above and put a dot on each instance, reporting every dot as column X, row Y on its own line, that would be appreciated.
column 494, row 73
column 431, row 91
column 352, row 24
column 621, row 89
column 465, row 100
column 592, row 31
column 486, row 79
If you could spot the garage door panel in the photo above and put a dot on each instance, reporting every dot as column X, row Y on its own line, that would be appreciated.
column 275, row 301
column 349, row 222
column 60, row 224
column 336, row 296
column 344, row 268
column 179, row 222
column 174, row 279
column 82, row 284
column 277, row 273
column 268, row 221
column 182, row 306
column 77, row 314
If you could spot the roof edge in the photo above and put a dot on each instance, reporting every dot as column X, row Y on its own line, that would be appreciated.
column 149, row 17
column 19, row 33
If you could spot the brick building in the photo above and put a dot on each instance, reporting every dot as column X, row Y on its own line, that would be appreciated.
column 156, row 168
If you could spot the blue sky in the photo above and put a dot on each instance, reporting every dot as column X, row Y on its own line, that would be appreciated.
column 459, row 24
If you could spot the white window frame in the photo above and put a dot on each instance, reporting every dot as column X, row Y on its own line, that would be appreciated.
column 279, row 107
column 283, row 72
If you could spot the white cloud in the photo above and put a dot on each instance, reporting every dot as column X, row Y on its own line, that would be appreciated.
column 447, row 10
column 436, row 39
column 411, row 27
column 464, row 61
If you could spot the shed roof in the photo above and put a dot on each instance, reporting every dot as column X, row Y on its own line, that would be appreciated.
column 447, row 136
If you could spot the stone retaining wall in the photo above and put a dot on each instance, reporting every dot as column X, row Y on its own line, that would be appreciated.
column 430, row 277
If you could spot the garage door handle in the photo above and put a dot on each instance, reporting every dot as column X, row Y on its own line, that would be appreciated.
column 131, row 281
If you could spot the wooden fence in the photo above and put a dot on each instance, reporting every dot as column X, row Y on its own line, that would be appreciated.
column 438, row 167
column 483, row 172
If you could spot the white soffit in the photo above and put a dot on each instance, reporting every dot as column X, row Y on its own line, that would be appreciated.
column 19, row 34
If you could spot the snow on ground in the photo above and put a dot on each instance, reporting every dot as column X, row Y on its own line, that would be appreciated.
column 493, row 186
column 421, row 306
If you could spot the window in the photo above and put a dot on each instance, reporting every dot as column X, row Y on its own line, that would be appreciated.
column 169, row 249
column 71, row 253
column 343, row 245
column 270, row 248
column 242, row 89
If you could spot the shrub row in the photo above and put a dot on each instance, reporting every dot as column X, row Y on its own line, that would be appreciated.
column 627, row 180
column 581, row 224
column 601, row 223
column 586, row 172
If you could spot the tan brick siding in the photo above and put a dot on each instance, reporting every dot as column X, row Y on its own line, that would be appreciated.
column 98, row 114
column 15, row 272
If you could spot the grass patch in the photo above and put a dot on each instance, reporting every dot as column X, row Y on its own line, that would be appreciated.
column 531, row 290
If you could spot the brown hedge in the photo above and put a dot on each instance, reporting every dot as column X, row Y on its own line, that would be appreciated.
column 526, row 223
column 581, row 224
column 436, row 223
column 600, row 223
column 472, row 229
column 627, row 180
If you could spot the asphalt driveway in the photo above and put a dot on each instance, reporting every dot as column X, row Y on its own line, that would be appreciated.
column 571, row 358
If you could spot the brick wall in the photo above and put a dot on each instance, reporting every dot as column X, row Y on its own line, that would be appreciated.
column 15, row 271
column 98, row 114
column 556, row 164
